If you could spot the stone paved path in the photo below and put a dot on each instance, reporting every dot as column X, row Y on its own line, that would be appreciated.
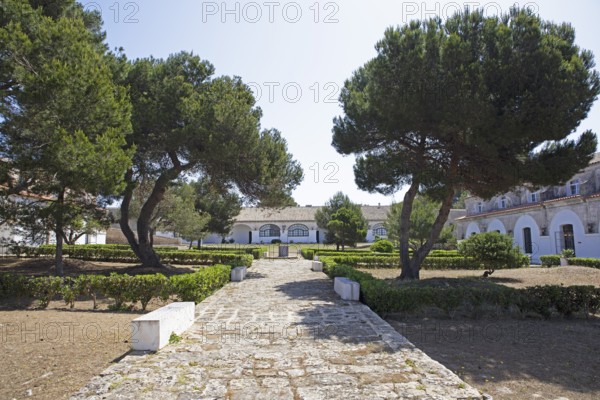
column 281, row 334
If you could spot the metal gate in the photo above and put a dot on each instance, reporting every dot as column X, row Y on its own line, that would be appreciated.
column 283, row 251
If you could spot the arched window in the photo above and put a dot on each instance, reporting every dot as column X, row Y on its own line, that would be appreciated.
column 269, row 231
column 379, row 230
column 298, row 230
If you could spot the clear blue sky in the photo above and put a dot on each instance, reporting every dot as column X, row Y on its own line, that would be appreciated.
column 285, row 47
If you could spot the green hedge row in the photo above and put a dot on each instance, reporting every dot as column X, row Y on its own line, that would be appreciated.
column 122, row 288
column 411, row 298
column 585, row 262
column 554, row 260
column 432, row 263
column 310, row 253
column 100, row 253
column 550, row 261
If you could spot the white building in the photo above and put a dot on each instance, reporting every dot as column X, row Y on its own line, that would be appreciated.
column 12, row 234
column 545, row 220
column 292, row 225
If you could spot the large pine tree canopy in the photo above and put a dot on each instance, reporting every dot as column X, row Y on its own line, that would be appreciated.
column 475, row 103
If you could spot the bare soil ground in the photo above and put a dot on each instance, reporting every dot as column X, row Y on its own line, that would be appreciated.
column 45, row 266
column 514, row 359
column 50, row 354
column 517, row 278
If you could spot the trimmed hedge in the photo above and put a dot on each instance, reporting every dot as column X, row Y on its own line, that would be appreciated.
column 550, row 261
column 117, row 254
column 585, row 262
column 122, row 288
column 412, row 297
column 309, row 253
column 432, row 263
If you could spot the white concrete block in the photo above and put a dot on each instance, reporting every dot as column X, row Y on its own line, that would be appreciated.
column 266, row 254
column 347, row 289
column 152, row 331
column 238, row 274
column 317, row 266
column 315, row 257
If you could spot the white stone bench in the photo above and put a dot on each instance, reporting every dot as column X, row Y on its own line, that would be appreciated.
column 347, row 289
column 152, row 331
column 317, row 266
column 238, row 274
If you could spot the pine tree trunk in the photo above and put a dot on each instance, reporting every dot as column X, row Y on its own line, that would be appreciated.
column 408, row 272
column 146, row 253
column 411, row 267
column 58, row 259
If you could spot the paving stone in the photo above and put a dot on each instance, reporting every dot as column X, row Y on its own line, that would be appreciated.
column 282, row 333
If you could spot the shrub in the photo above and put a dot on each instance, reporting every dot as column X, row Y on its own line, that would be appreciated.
column 585, row 262
column 308, row 254
column 494, row 251
column 568, row 253
column 44, row 289
column 89, row 286
column 411, row 297
column 550, row 261
column 109, row 253
column 382, row 246
column 14, row 286
column 199, row 285
column 275, row 241
column 144, row 288
column 380, row 261
column 117, row 287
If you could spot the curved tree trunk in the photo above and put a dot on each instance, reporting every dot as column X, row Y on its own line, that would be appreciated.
column 407, row 205
column 143, row 245
column 411, row 266
column 422, row 252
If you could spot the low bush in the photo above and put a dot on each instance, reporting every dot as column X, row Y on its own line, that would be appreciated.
column 493, row 251
column 197, row 286
column 472, row 294
column 382, row 246
column 308, row 254
column 118, row 287
column 380, row 261
column 123, row 253
column 121, row 288
column 585, row 262
column 44, row 289
column 550, row 261
column 144, row 288
column 14, row 286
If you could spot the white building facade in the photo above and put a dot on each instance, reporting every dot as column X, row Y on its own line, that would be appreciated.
column 545, row 220
column 292, row 225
